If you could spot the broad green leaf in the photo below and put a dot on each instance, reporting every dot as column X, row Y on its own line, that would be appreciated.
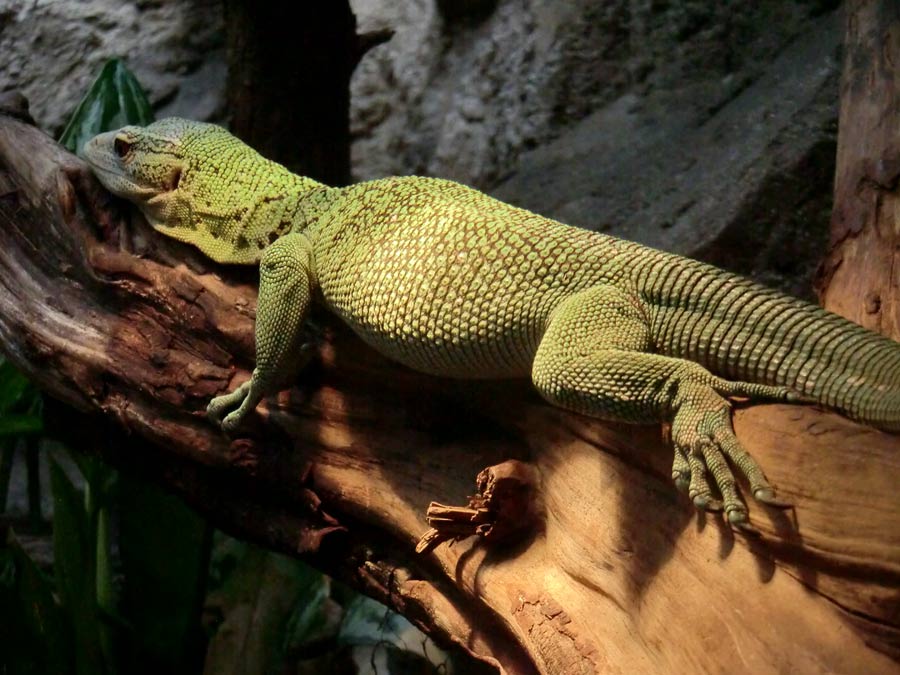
column 37, row 638
column 100, row 479
column 7, row 452
column 164, row 550
column 308, row 621
column 227, row 554
column 100, row 484
column 75, row 565
column 115, row 99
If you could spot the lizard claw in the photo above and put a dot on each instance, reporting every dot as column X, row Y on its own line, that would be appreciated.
column 232, row 421
column 766, row 495
column 738, row 520
column 707, row 503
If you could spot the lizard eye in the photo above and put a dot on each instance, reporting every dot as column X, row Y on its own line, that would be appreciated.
column 121, row 146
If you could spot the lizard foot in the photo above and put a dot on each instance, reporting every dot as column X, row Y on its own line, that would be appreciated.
column 221, row 405
column 229, row 410
column 705, row 443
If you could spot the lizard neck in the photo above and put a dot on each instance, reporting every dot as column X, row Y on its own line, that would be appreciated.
column 312, row 202
column 285, row 203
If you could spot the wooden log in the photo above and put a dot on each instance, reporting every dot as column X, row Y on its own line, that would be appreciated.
column 860, row 276
column 621, row 575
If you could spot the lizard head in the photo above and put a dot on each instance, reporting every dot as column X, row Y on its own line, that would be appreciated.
column 197, row 183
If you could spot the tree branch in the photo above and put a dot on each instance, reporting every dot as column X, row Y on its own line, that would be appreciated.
column 621, row 574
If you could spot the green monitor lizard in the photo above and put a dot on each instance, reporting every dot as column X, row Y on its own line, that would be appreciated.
column 449, row 281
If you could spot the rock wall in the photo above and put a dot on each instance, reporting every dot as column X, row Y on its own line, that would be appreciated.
column 52, row 50
column 701, row 127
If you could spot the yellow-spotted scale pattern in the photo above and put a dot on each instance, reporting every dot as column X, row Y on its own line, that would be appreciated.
column 451, row 282
column 424, row 271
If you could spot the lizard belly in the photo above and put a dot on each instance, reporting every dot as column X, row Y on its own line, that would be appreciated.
column 439, row 310
column 438, row 329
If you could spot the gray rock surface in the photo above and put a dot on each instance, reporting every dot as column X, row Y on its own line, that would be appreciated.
column 53, row 49
column 745, row 185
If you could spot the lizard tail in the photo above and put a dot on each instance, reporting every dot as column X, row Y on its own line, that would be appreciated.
column 744, row 331
column 834, row 362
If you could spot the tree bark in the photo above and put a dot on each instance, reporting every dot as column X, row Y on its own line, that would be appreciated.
column 860, row 276
column 289, row 68
column 621, row 575
column 288, row 91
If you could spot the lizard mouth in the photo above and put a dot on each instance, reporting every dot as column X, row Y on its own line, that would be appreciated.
column 95, row 152
column 109, row 171
column 120, row 185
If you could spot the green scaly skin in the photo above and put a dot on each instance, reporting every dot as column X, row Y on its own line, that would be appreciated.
column 451, row 282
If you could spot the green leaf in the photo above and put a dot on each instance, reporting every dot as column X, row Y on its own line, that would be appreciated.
column 114, row 100
column 75, row 566
column 101, row 482
column 7, row 450
column 164, row 549
column 308, row 620
column 19, row 425
column 37, row 638
column 14, row 387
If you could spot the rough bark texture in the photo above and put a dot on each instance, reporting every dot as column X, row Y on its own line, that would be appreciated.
column 860, row 277
column 622, row 575
column 289, row 67
column 281, row 57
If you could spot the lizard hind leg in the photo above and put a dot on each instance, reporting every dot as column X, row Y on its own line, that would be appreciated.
column 595, row 358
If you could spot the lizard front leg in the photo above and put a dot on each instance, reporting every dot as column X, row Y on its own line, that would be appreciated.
column 284, row 299
column 594, row 359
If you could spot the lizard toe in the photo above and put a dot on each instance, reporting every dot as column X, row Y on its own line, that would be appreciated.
column 220, row 406
column 214, row 411
column 232, row 421
column 707, row 503
column 698, row 487
column 738, row 520
column 681, row 470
